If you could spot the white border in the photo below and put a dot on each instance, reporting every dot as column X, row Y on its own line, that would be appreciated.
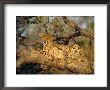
column 100, row 76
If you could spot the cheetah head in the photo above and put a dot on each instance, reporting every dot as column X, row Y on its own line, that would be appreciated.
column 47, row 38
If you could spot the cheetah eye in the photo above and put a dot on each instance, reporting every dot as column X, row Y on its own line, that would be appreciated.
column 44, row 42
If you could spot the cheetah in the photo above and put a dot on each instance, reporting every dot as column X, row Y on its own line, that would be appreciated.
column 59, row 51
